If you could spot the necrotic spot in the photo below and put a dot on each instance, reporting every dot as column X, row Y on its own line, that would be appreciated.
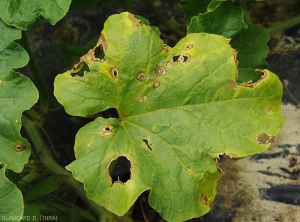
column 19, row 148
column 107, row 130
column 142, row 99
column 115, row 73
column 147, row 143
column 160, row 71
column 156, row 84
column 165, row 47
column 141, row 76
column 189, row 46
column 203, row 199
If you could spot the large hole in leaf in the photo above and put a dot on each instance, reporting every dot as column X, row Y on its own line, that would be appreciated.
column 175, row 58
column 80, row 70
column 119, row 170
column 263, row 138
column 99, row 53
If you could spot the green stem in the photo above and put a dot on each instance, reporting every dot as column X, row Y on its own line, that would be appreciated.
column 164, row 20
column 36, row 72
column 284, row 25
column 247, row 16
column 53, row 167
column 129, row 6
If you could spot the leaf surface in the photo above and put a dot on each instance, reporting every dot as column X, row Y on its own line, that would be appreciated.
column 24, row 13
column 192, row 8
column 17, row 93
column 226, row 19
column 11, row 198
column 179, row 108
column 250, row 41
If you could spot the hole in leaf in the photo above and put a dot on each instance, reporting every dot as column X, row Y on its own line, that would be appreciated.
column 115, row 73
column 19, row 148
column 148, row 145
column 186, row 57
column 107, row 130
column 263, row 138
column 181, row 58
column 175, row 57
column 141, row 76
column 80, row 69
column 119, row 170
column 99, row 53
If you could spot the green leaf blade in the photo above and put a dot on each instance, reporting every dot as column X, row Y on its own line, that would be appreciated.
column 17, row 94
column 12, row 208
column 226, row 19
column 174, row 122
column 23, row 14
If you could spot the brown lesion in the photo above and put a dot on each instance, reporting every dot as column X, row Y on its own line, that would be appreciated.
column 165, row 47
column 19, row 148
column 142, row 99
column 134, row 20
column 189, row 46
column 160, row 71
column 107, row 130
column 156, row 84
column 204, row 199
column 141, row 76
column 114, row 73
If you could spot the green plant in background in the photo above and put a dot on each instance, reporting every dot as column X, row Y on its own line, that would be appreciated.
column 179, row 108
